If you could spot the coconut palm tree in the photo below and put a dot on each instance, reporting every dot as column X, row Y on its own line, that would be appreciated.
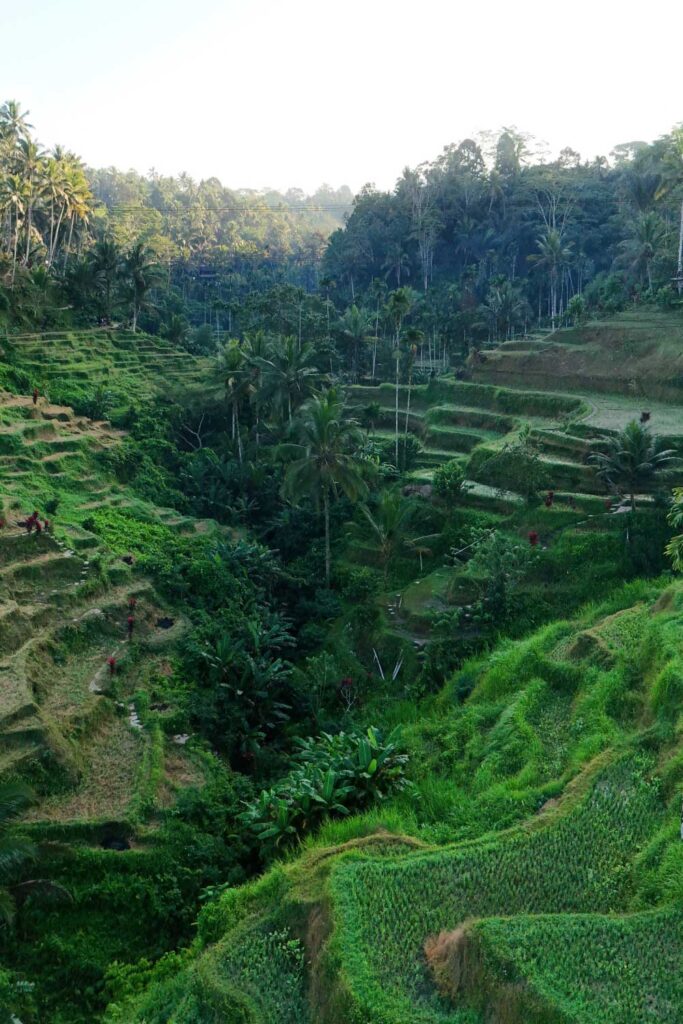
column 32, row 170
column 323, row 459
column 288, row 375
column 15, row 851
column 238, row 385
column 633, row 461
column 13, row 123
column 399, row 305
column 645, row 238
column 553, row 256
column 13, row 205
column 141, row 272
column 384, row 530
column 356, row 327
column 672, row 185
column 105, row 259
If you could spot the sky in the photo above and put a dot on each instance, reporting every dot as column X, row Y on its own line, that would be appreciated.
column 293, row 93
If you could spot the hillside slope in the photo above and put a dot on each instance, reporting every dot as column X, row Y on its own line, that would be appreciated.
column 372, row 930
column 639, row 354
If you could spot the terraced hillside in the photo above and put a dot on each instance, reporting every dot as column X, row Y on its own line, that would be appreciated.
column 65, row 719
column 559, row 901
column 638, row 354
column 130, row 367
column 470, row 421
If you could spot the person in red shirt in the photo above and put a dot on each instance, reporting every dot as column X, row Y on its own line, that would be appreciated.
column 533, row 538
column 111, row 661
column 36, row 394
column 131, row 625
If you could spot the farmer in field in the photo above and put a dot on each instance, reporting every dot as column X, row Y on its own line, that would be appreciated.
column 533, row 538
column 131, row 626
column 36, row 395
column 111, row 662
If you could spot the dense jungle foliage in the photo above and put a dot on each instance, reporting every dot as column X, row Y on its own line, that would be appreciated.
column 380, row 602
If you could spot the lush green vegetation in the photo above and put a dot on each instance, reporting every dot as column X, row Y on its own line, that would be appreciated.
column 340, row 679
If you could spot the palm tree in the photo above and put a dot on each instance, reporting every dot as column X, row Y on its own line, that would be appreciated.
column 324, row 462
column 13, row 123
column 634, row 460
column 553, row 255
column 385, row 531
column 15, row 797
column 288, row 374
column 176, row 329
column 642, row 244
column 106, row 259
column 672, row 185
column 31, row 168
column 355, row 326
column 399, row 305
column 414, row 338
column 13, row 201
column 141, row 272
column 397, row 262
column 237, row 385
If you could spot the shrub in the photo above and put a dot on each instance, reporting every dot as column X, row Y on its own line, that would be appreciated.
column 334, row 774
column 448, row 480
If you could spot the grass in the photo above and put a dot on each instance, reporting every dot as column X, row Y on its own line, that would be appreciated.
column 543, row 820
column 638, row 354
column 585, row 968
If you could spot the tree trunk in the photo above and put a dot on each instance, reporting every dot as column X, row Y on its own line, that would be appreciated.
column 410, row 383
column 240, row 454
column 398, row 353
column 326, row 515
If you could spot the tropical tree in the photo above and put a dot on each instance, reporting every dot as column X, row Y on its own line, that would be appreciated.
column 633, row 461
column 323, row 459
column 234, row 363
column 399, row 305
column 384, row 529
column 141, row 272
column 642, row 245
column 414, row 339
column 32, row 170
column 288, row 375
column 672, row 185
column 356, row 326
column 675, row 546
column 13, row 123
column 105, row 260
column 552, row 256
column 13, row 205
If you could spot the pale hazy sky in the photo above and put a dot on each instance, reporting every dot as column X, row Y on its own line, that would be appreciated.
column 287, row 93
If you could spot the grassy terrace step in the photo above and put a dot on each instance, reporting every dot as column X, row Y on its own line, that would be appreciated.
column 583, row 968
column 474, row 395
column 636, row 354
column 386, row 908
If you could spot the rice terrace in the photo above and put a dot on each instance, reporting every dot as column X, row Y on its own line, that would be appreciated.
column 341, row 542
